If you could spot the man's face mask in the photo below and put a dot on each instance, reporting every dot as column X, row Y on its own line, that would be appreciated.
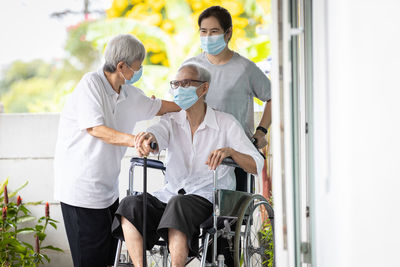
column 214, row 44
column 185, row 97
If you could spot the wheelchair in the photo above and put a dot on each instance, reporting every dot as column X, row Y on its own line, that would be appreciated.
column 244, row 219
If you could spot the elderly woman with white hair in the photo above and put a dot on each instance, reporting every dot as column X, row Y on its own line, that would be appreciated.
column 95, row 129
column 198, row 138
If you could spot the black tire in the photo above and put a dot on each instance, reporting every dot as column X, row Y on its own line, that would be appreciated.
column 250, row 246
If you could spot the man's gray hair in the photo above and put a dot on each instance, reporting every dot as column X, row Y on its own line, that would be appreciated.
column 202, row 74
column 123, row 48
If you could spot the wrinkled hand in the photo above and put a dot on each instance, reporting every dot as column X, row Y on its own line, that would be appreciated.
column 261, row 139
column 142, row 143
column 215, row 158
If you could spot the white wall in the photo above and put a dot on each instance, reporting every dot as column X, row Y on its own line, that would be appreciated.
column 357, row 144
column 27, row 143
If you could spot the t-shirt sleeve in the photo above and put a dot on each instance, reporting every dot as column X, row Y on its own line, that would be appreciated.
column 89, row 104
column 259, row 83
column 238, row 140
column 147, row 106
column 161, row 131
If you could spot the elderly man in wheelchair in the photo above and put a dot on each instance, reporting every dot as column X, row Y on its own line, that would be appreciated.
column 197, row 138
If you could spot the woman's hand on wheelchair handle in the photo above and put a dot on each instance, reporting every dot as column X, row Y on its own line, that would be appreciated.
column 142, row 143
column 217, row 156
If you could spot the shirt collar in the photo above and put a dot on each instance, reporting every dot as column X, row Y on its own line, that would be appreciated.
column 109, row 90
column 123, row 93
column 210, row 119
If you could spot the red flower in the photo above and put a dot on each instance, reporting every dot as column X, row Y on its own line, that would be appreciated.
column 19, row 200
column 5, row 195
column 4, row 213
column 47, row 210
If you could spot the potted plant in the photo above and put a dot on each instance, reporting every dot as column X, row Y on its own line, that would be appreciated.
column 13, row 251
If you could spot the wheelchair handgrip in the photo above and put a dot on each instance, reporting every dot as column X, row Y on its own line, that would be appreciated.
column 153, row 145
column 229, row 162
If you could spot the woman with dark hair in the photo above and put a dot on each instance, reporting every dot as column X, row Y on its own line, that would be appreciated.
column 235, row 79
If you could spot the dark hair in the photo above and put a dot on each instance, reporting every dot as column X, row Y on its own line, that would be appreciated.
column 221, row 14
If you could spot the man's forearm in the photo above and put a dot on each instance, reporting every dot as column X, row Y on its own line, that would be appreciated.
column 246, row 162
column 266, row 117
column 167, row 106
column 111, row 136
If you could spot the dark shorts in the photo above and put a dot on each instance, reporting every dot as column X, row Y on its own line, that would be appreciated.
column 183, row 212
column 89, row 235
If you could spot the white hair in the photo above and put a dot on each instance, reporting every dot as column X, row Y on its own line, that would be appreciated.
column 123, row 48
column 202, row 74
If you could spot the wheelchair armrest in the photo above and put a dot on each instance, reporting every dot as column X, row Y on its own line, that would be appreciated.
column 151, row 163
column 229, row 162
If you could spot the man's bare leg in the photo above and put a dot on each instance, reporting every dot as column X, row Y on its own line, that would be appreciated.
column 178, row 247
column 134, row 242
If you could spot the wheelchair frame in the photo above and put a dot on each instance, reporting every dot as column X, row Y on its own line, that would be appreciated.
column 245, row 200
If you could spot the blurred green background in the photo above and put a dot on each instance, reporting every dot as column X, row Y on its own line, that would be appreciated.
column 168, row 30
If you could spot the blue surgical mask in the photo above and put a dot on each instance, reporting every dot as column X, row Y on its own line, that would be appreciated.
column 185, row 97
column 213, row 44
column 136, row 76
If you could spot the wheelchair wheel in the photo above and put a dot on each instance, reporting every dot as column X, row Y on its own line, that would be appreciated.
column 254, row 234
column 158, row 256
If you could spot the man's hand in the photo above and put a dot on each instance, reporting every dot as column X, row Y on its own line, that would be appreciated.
column 142, row 143
column 215, row 158
column 261, row 140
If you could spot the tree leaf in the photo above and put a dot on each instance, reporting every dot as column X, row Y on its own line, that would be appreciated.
column 41, row 236
column 53, row 224
column 25, row 231
column 17, row 190
column 28, row 245
column 34, row 203
column 5, row 182
column 25, row 218
column 46, row 257
column 52, row 248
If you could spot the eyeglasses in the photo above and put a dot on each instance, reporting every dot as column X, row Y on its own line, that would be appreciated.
column 133, row 70
column 184, row 83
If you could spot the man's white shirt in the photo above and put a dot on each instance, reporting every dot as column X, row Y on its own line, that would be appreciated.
column 186, row 158
column 87, row 168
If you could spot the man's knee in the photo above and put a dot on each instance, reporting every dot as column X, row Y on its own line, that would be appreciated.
column 134, row 203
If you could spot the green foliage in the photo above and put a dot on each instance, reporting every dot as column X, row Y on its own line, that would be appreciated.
column 40, row 87
column 19, row 71
column 13, row 251
column 79, row 48
column 268, row 239
column 168, row 30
